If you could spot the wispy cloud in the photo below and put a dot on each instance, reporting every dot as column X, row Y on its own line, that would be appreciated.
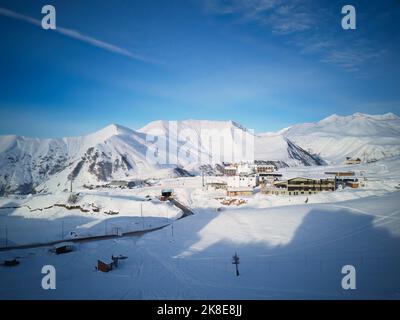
column 79, row 36
column 283, row 17
column 351, row 58
column 348, row 52
column 310, row 29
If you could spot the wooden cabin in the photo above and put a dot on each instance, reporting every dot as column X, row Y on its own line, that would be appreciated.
column 241, row 191
column 352, row 161
column 103, row 266
column 353, row 184
column 166, row 194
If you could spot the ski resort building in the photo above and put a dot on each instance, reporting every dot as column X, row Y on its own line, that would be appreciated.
column 264, row 168
column 243, row 181
column 345, row 179
column 216, row 186
column 269, row 177
column 239, row 191
column 299, row 186
column 350, row 160
column 230, row 170
column 122, row 184
column 245, row 169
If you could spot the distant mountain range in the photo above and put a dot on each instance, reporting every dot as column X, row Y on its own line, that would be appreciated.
column 368, row 137
column 117, row 153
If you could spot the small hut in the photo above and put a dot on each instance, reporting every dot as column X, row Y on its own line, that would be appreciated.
column 108, row 266
column 11, row 263
column 166, row 194
column 104, row 266
column 64, row 247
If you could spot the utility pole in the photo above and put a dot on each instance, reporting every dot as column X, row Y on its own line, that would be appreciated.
column 141, row 215
column 71, row 186
column 202, row 177
column 236, row 261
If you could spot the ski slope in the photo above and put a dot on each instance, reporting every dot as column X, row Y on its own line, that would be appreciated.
column 286, row 252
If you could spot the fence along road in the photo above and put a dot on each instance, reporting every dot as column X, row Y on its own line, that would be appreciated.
column 186, row 212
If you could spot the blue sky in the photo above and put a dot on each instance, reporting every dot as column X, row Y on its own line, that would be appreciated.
column 266, row 64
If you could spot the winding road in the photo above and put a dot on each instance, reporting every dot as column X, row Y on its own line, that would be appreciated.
column 186, row 212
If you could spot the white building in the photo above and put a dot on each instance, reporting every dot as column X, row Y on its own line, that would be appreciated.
column 230, row 170
column 264, row 168
column 245, row 169
column 242, row 181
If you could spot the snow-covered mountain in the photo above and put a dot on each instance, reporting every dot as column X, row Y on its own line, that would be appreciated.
column 369, row 137
column 246, row 146
column 172, row 148
column 111, row 153
column 119, row 153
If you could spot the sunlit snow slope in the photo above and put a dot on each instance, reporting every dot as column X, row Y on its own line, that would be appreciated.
column 369, row 137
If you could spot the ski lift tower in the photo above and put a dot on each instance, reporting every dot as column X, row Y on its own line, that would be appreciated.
column 236, row 261
column 70, row 178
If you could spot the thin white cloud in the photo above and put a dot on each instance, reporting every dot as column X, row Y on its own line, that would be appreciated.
column 282, row 16
column 350, row 52
column 79, row 36
column 300, row 22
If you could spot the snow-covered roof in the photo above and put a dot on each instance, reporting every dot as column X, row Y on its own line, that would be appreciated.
column 230, row 168
column 63, row 244
column 316, row 176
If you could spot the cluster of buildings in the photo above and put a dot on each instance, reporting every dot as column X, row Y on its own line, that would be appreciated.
column 242, row 179
column 248, row 169
column 311, row 184
column 299, row 186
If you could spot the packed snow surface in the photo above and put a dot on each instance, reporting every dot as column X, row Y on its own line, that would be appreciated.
column 288, row 249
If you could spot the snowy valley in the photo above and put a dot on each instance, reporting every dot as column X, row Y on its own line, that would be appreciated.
column 291, row 246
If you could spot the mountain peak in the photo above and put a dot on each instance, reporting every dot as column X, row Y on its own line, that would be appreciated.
column 331, row 118
column 360, row 116
column 111, row 130
column 389, row 116
column 386, row 116
column 163, row 125
column 116, row 128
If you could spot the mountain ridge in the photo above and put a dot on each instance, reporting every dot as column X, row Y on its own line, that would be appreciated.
column 369, row 137
column 118, row 152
